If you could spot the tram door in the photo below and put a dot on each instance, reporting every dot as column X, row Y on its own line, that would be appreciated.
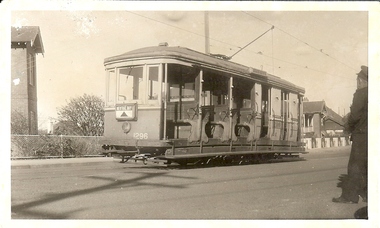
column 182, row 100
column 285, row 116
column 293, row 117
column 275, row 120
column 256, row 96
column 300, row 118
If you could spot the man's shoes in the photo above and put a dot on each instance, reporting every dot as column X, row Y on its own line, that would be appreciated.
column 342, row 200
column 362, row 213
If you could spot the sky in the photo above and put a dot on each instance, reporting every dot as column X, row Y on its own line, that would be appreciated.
column 319, row 50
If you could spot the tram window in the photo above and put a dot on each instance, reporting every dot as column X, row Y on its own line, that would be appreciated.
column 187, row 91
column 222, row 99
column 153, row 85
column 264, row 106
column 206, row 95
column 174, row 92
column 242, row 93
column 246, row 103
column 130, row 83
column 215, row 89
column 181, row 80
column 111, row 92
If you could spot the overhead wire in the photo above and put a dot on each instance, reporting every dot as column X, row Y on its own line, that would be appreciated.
column 298, row 39
column 259, row 53
column 176, row 27
column 304, row 67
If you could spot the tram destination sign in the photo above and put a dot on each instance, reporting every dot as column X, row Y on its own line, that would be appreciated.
column 126, row 111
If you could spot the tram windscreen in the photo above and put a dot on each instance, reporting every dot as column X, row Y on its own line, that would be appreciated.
column 153, row 84
column 130, row 83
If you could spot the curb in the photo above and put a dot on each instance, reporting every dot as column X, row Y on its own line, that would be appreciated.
column 326, row 149
column 65, row 162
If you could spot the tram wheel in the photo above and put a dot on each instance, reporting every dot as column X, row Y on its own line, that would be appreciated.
column 226, row 160
column 182, row 163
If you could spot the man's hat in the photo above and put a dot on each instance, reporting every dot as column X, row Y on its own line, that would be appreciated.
column 363, row 74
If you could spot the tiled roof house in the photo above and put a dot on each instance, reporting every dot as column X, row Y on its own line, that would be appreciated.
column 319, row 120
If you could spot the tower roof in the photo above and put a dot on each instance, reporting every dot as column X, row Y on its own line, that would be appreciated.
column 30, row 34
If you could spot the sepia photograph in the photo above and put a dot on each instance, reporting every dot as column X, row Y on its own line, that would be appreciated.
column 221, row 113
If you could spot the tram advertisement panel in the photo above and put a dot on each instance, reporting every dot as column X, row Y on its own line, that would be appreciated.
column 275, row 123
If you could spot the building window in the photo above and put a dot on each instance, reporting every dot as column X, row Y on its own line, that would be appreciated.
column 308, row 120
column 31, row 64
column 308, row 123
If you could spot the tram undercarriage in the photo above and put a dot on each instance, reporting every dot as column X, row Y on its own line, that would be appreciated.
column 206, row 155
column 220, row 159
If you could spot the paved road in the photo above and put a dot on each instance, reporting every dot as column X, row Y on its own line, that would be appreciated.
column 101, row 188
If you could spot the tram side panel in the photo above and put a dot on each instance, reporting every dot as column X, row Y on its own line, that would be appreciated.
column 177, row 113
column 145, row 127
column 275, row 114
column 293, row 117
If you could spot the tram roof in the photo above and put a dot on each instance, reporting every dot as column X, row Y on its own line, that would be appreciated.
column 204, row 61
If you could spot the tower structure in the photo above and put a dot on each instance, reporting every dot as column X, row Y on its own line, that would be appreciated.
column 26, row 43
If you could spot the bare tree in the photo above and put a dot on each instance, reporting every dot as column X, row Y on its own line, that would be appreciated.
column 19, row 123
column 66, row 128
column 82, row 116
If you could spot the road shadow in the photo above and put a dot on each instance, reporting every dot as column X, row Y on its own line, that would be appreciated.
column 28, row 210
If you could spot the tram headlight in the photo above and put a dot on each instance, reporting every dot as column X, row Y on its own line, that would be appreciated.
column 126, row 127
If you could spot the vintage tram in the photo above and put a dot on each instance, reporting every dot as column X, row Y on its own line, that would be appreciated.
column 174, row 104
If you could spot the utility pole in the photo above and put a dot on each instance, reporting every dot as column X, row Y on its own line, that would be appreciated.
column 207, row 38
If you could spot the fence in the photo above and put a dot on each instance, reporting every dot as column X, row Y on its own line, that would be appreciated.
column 54, row 146
column 333, row 141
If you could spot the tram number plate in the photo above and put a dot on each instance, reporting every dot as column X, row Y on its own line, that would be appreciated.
column 140, row 135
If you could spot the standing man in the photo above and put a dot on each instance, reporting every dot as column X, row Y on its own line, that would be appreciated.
column 355, row 184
